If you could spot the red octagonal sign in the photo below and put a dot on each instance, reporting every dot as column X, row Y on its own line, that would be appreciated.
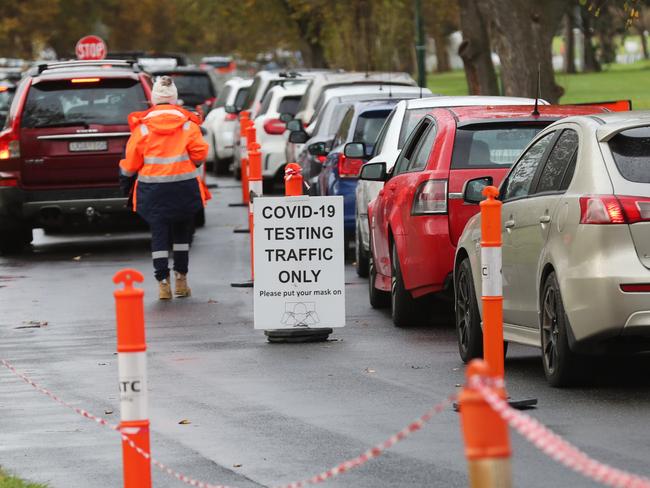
column 90, row 47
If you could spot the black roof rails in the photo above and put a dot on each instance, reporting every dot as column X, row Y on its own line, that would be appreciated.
column 82, row 63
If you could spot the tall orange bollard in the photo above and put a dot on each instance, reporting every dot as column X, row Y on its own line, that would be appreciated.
column 132, row 366
column 293, row 181
column 255, row 187
column 487, row 443
column 492, row 296
column 245, row 124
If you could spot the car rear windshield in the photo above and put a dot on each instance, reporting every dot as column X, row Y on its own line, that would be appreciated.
column 289, row 105
column 489, row 145
column 368, row 126
column 631, row 151
column 66, row 103
column 193, row 89
column 411, row 119
column 241, row 97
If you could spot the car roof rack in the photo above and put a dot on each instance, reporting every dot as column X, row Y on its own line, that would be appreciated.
column 78, row 63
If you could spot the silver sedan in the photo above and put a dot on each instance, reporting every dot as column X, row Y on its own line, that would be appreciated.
column 576, row 245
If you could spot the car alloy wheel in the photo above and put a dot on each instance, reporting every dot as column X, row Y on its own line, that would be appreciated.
column 550, row 331
column 378, row 298
column 468, row 321
column 406, row 310
column 361, row 258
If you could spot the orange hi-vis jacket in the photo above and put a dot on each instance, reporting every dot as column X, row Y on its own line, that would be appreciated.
column 165, row 146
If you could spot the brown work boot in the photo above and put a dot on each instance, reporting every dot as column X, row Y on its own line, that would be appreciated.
column 164, row 290
column 180, row 285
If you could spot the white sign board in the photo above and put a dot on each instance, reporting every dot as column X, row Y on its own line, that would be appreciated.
column 299, row 263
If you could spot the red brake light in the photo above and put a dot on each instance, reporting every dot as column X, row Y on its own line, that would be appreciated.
column 3, row 88
column 8, row 179
column 349, row 167
column 609, row 209
column 231, row 116
column 210, row 101
column 9, row 146
column 274, row 126
column 321, row 158
column 85, row 80
column 636, row 288
column 430, row 198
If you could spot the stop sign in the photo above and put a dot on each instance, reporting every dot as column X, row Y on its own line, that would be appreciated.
column 90, row 47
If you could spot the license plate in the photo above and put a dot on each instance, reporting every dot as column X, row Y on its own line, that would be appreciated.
column 88, row 146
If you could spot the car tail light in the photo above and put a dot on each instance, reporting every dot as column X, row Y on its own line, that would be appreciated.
column 3, row 88
column 9, row 146
column 210, row 101
column 321, row 158
column 430, row 198
column 85, row 80
column 8, row 179
column 349, row 167
column 636, row 288
column 610, row 209
column 231, row 117
column 274, row 126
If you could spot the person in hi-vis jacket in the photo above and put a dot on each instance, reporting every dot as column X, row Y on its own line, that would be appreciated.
column 161, row 168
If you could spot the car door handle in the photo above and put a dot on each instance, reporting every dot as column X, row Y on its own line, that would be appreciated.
column 509, row 224
column 544, row 219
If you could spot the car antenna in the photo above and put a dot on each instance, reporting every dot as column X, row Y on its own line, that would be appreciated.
column 537, row 95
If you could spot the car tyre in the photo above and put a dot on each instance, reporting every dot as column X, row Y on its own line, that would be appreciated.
column 15, row 240
column 361, row 256
column 561, row 365
column 404, row 306
column 378, row 298
column 468, row 317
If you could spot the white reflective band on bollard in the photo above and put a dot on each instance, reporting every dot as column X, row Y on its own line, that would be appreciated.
column 491, row 272
column 133, row 385
column 243, row 145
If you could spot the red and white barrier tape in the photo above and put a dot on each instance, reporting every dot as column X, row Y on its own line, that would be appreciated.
column 554, row 446
column 343, row 467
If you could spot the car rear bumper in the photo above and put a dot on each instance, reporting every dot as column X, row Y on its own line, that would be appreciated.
column 346, row 187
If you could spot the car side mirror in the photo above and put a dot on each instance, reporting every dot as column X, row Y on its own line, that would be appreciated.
column 317, row 149
column 294, row 125
column 298, row 137
column 356, row 150
column 473, row 189
column 231, row 109
column 286, row 117
column 373, row 172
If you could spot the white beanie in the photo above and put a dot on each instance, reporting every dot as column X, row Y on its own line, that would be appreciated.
column 164, row 91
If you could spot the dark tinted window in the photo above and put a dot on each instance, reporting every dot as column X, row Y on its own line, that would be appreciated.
column 289, row 105
column 266, row 103
column 421, row 156
column 250, row 96
column 558, row 162
column 631, row 151
column 342, row 132
column 411, row 119
column 65, row 103
column 193, row 89
column 368, row 126
column 223, row 96
column 488, row 145
column 241, row 98
column 382, row 134
column 521, row 177
column 410, row 146
column 6, row 96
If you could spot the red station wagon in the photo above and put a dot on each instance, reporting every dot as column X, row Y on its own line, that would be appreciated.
column 418, row 216
column 61, row 145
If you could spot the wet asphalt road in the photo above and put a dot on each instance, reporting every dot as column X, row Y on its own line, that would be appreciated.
column 262, row 414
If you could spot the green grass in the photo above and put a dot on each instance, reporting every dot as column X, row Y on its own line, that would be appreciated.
column 615, row 82
column 8, row 481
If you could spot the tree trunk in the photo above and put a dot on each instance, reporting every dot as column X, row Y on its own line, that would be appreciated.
column 523, row 32
column 476, row 52
column 570, row 44
column 591, row 63
column 442, row 53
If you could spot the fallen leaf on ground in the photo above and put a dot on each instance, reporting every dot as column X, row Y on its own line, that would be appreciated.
column 236, row 465
column 185, row 422
column 370, row 370
column 108, row 412
column 76, row 258
column 212, row 301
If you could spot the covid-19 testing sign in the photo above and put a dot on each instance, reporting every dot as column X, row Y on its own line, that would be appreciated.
column 299, row 263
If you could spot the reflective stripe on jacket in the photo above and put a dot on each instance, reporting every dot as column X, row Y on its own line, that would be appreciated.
column 165, row 146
